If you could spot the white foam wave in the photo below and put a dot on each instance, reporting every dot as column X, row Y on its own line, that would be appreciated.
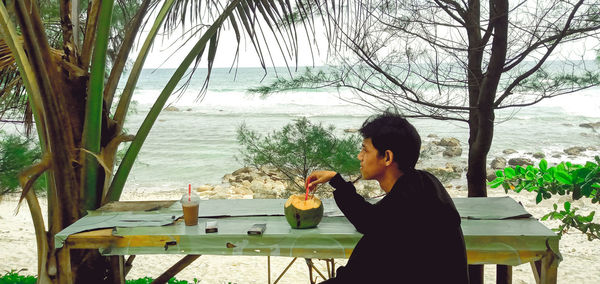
column 582, row 103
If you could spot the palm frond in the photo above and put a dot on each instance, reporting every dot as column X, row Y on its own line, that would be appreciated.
column 13, row 95
column 257, row 22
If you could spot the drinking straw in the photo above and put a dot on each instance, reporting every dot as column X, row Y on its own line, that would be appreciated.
column 190, row 192
column 306, row 195
column 308, row 180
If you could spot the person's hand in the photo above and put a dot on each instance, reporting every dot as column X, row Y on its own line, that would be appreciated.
column 318, row 177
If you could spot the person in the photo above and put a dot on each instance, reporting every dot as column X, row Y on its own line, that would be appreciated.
column 411, row 235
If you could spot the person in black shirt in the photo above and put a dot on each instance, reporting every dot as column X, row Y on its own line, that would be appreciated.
column 413, row 234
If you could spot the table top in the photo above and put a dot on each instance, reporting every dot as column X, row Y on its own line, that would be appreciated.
column 493, row 228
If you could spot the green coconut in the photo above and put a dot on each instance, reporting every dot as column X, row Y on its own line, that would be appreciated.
column 303, row 214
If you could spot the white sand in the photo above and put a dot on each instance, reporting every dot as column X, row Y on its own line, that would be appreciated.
column 18, row 251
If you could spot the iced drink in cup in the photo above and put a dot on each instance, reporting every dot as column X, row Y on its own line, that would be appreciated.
column 190, row 204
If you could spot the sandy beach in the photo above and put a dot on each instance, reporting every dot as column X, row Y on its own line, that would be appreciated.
column 18, row 249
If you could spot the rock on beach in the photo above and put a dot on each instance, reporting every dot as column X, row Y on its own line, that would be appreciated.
column 575, row 151
column 592, row 125
column 498, row 163
column 520, row 162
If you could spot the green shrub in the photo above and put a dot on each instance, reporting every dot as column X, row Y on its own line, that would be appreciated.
column 148, row 280
column 13, row 277
column 299, row 148
column 563, row 179
column 17, row 153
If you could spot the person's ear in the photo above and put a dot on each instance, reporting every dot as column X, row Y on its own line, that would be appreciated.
column 389, row 157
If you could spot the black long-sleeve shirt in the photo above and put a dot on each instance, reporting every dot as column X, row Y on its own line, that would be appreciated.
column 412, row 235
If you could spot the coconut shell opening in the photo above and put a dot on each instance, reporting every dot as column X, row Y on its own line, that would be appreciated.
column 298, row 202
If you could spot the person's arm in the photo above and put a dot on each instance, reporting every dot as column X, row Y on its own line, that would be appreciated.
column 318, row 177
column 365, row 217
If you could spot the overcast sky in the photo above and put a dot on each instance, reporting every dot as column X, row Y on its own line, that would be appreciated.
column 226, row 51
column 165, row 55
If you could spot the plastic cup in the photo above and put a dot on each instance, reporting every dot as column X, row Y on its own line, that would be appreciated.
column 190, row 205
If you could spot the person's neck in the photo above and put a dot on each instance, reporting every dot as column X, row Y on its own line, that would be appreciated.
column 387, row 181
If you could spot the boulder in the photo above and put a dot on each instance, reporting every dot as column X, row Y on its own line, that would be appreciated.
column 221, row 188
column 220, row 192
column 448, row 142
column 509, row 151
column 539, row 155
column 243, row 170
column 520, row 162
column 245, row 177
column 261, row 191
column 171, row 108
column 592, row 125
column 498, row 163
column 267, row 189
column 432, row 136
column 271, row 173
column 228, row 178
column 490, row 175
column 574, row 150
column 430, row 149
column 206, row 194
column 452, row 151
column 242, row 191
column 220, row 195
column 205, row 187
column 454, row 168
column 444, row 174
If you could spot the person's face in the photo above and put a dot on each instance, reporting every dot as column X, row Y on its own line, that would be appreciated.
column 372, row 165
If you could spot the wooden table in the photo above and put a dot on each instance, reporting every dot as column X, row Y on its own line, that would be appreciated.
column 505, row 242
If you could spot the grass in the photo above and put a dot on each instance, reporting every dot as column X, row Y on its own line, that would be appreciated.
column 13, row 277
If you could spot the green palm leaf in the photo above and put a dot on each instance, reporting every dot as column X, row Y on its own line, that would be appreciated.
column 210, row 35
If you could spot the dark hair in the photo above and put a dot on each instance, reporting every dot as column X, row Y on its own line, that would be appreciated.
column 389, row 131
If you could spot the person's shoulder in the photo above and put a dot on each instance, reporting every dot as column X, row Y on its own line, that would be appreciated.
column 425, row 173
column 427, row 177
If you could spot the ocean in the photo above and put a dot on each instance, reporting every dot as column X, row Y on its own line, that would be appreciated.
column 197, row 144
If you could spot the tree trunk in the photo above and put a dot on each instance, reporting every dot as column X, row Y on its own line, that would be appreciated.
column 476, row 160
column 63, row 89
column 482, row 92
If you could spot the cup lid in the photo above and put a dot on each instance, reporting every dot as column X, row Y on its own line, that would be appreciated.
column 193, row 198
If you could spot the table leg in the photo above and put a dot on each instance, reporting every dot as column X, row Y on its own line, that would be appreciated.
column 180, row 265
column 549, row 269
column 117, row 264
column 503, row 274
column 65, row 275
column 536, row 267
column 332, row 268
column 311, row 266
column 282, row 273
column 310, row 271
column 129, row 264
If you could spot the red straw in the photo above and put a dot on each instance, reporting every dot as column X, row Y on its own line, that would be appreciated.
column 306, row 195
column 190, row 192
